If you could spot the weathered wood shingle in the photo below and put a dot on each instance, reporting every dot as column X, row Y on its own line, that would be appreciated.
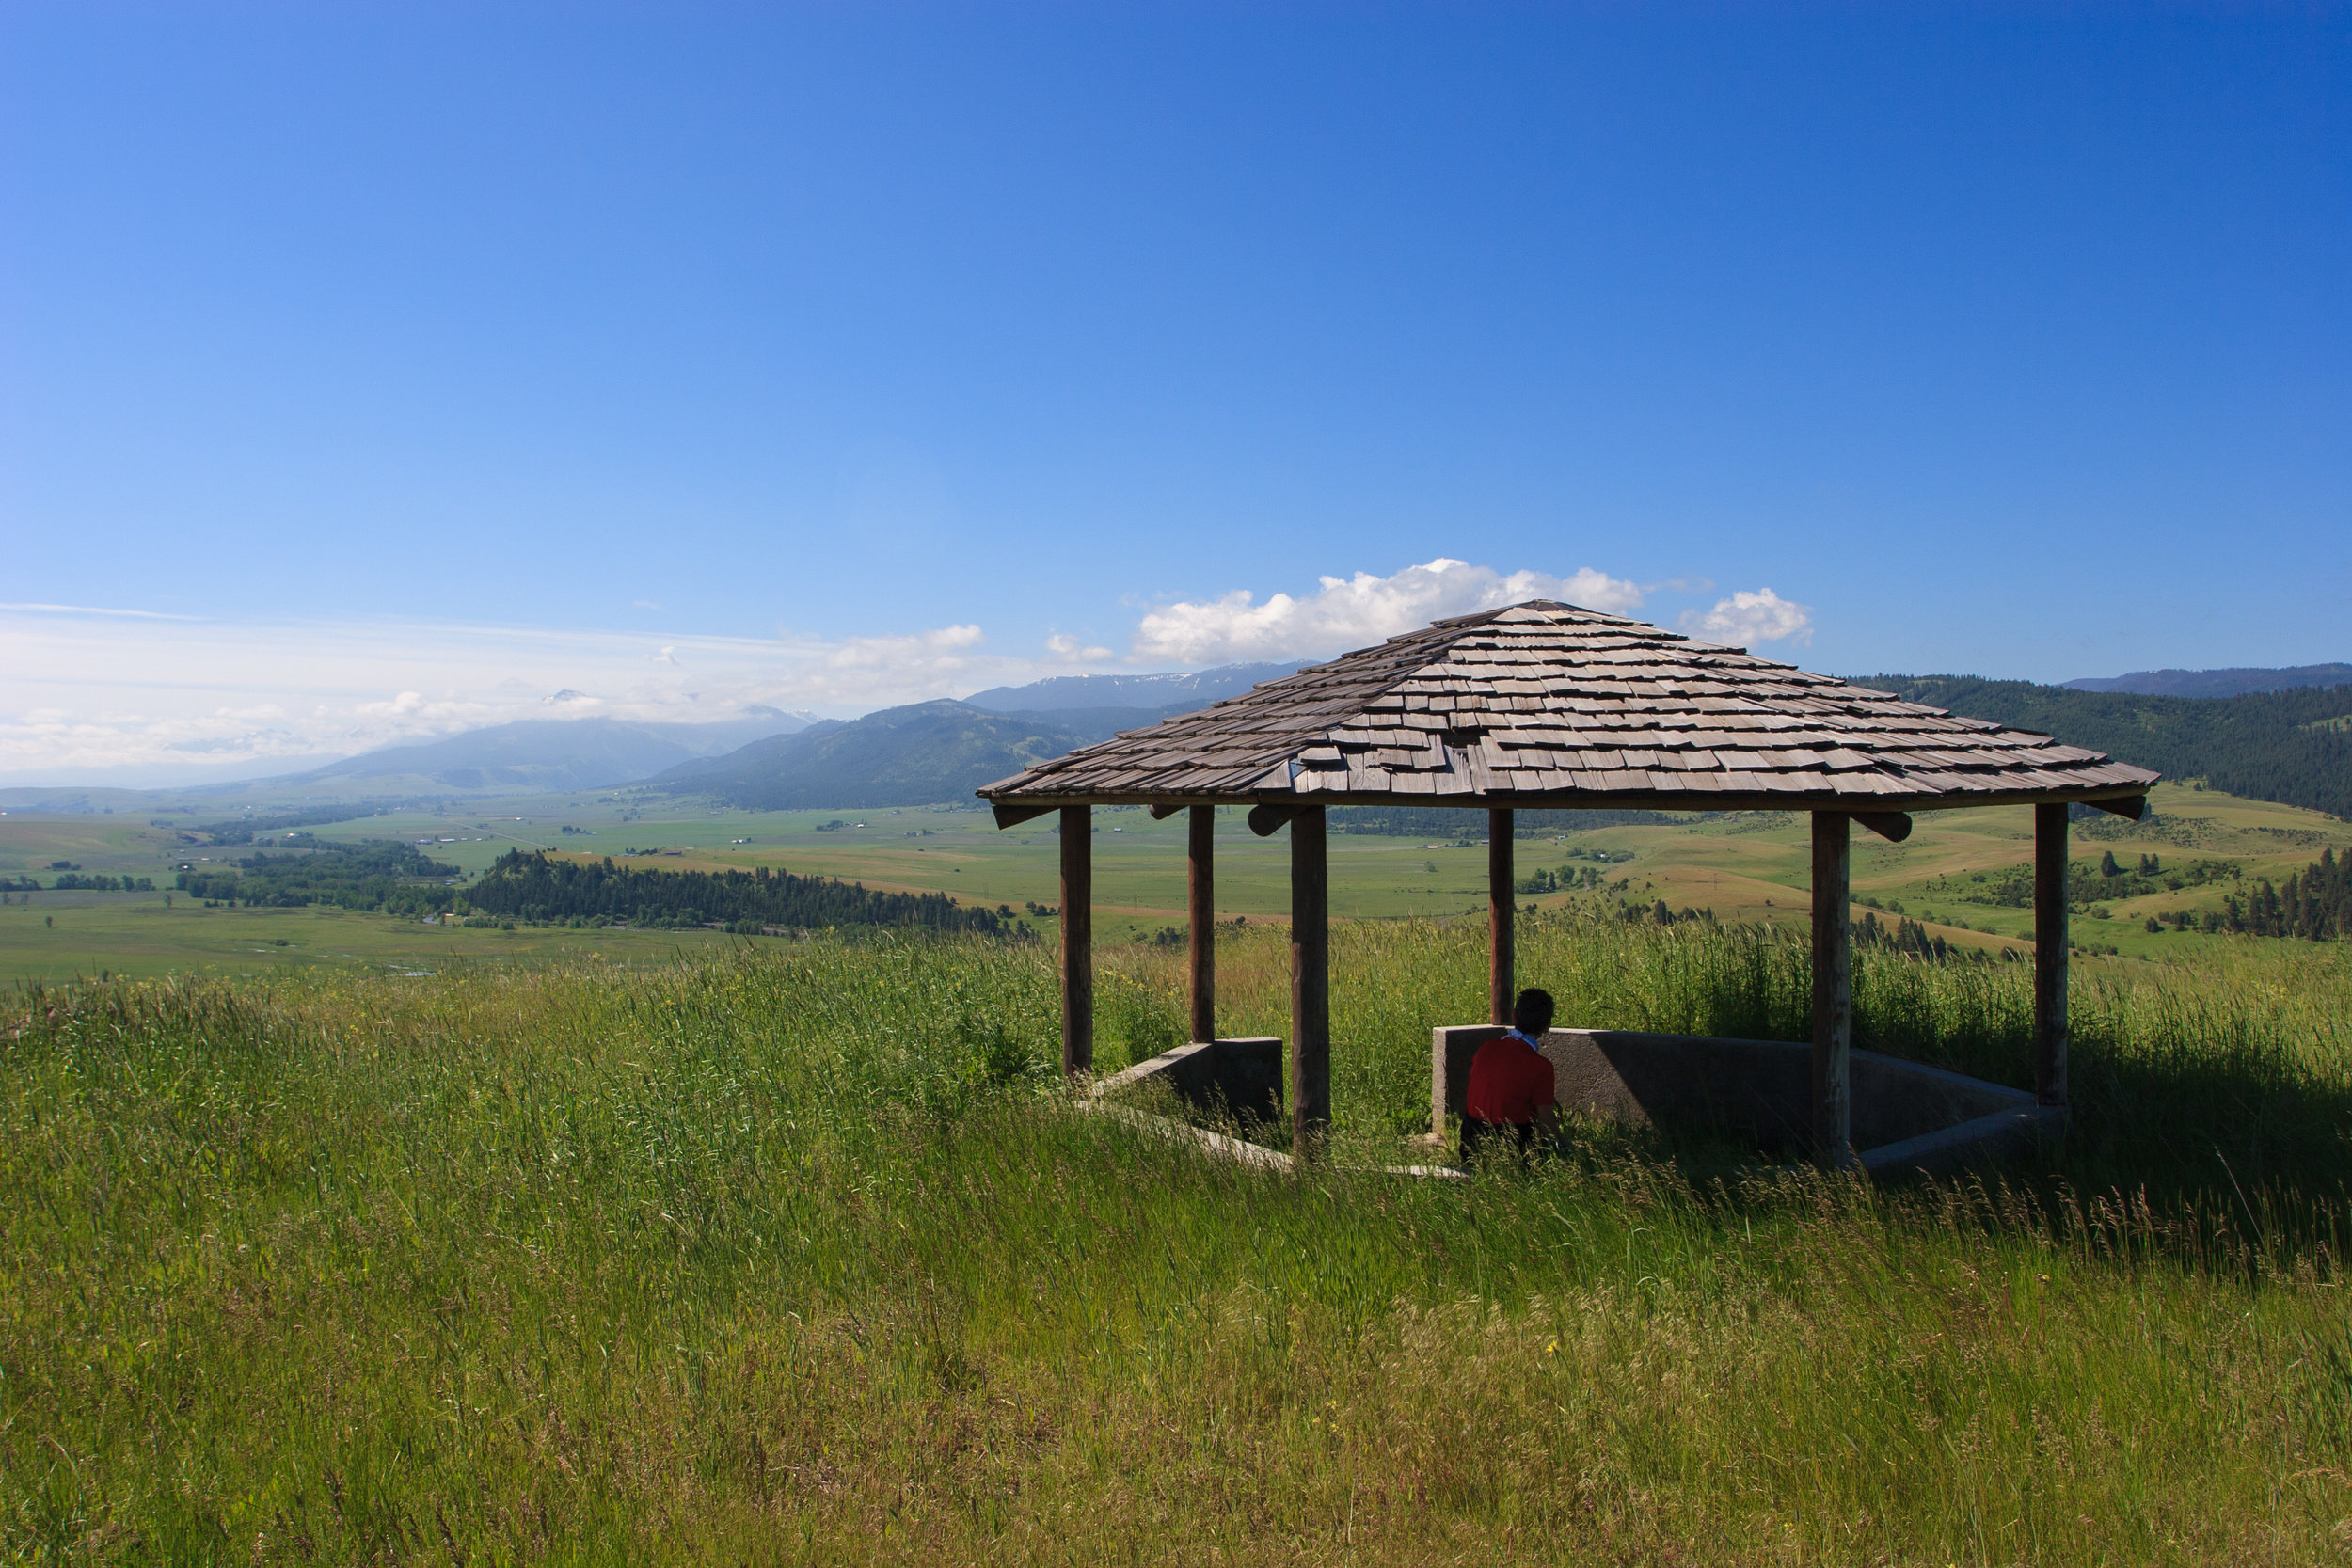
column 1547, row 704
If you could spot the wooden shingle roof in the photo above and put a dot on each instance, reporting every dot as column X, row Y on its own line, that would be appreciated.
column 1547, row 704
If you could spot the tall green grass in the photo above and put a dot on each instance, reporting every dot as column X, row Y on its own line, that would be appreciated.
column 802, row 1255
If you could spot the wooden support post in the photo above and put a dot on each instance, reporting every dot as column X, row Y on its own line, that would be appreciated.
column 1201, row 906
column 1077, row 941
column 1833, row 988
column 1502, row 889
column 1311, row 985
column 2049, row 954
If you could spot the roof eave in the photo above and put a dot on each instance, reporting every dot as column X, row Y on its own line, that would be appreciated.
column 1614, row 799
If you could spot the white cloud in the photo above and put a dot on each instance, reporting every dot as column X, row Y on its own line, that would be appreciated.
column 1352, row 612
column 1064, row 646
column 1746, row 619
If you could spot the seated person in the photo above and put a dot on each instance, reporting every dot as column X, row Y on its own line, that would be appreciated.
column 1511, row 1092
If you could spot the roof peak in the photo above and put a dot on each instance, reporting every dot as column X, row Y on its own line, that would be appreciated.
column 1543, row 608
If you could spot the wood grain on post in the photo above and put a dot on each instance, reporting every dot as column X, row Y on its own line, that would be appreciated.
column 1201, row 906
column 1311, row 985
column 2049, row 954
column 1833, row 988
column 1077, row 941
column 1500, row 911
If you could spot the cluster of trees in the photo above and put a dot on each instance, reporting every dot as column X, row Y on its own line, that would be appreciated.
column 1658, row 915
column 74, row 881
column 378, row 874
column 2315, row 904
column 1567, row 879
column 2277, row 746
column 1904, row 935
column 530, row 888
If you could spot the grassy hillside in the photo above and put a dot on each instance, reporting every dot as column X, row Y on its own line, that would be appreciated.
column 2277, row 746
column 799, row 1258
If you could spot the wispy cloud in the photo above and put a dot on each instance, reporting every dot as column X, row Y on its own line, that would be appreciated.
column 1074, row 650
column 94, row 610
column 1350, row 612
column 181, row 699
column 88, row 692
column 1746, row 619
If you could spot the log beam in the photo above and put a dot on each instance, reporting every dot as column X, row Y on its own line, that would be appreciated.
column 2049, row 954
column 1013, row 816
column 2131, row 808
column 1165, row 810
column 1268, row 819
column 1311, row 985
column 1077, row 941
column 1833, row 988
column 1201, row 906
column 1892, row 826
column 1501, row 916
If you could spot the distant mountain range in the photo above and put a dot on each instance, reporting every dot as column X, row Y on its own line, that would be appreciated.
column 2219, row 683
column 527, row 757
column 903, row 756
column 1178, row 693
column 2292, row 744
column 535, row 754
column 927, row 752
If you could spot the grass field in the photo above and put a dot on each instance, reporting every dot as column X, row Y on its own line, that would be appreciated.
column 1751, row 868
column 794, row 1253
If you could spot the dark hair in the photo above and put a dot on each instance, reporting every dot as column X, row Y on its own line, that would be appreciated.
column 1532, row 1005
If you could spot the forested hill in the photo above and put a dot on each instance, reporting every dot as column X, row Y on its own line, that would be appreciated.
column 2291, row 747
column 534, row 888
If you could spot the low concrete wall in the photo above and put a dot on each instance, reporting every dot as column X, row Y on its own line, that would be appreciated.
column 1909, row 1113
column 1242, row 1076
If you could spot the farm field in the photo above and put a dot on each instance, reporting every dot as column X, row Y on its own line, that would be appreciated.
column 796, row 1252
column 1748, row 868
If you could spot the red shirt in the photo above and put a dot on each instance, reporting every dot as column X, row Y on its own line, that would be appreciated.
column 1509, row 1080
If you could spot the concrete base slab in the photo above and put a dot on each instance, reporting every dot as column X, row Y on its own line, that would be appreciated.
column 1907, row 1116
column 1241, row 1077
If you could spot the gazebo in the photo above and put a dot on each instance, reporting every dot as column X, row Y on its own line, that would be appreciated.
column 1544, row 705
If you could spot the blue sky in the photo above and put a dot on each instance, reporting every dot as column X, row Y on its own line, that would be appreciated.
column 833, row 355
